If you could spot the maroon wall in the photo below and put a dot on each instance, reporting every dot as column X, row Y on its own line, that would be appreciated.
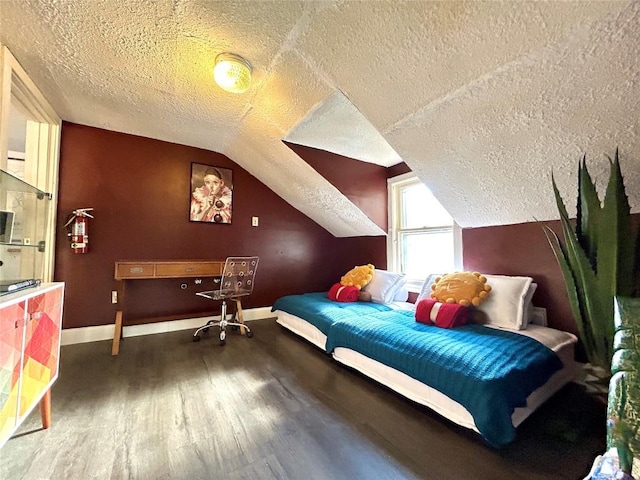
column 365, row 184
column 521, row 249
column 398, row 169
column 140, row 191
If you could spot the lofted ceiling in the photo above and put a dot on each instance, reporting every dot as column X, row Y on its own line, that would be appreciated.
column 483, row 100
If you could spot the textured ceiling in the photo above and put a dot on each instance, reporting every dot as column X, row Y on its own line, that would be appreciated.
column 337, row 126
column 481, row 99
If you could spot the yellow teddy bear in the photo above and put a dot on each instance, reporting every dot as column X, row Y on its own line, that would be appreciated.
column 358, row 276
column 464, row 288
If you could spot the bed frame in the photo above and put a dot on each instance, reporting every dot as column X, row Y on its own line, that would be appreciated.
column 562, row 343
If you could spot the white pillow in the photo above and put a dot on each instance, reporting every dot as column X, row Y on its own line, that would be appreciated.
column 384, row 285
column 426, row 286
column 402, row 294
column 538, row 316
column 528, row 306
column 506, row 305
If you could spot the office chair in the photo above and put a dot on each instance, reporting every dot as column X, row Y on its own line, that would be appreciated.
column 237, row 281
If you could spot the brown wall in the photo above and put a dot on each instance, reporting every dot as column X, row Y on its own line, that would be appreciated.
column 140, row 190
column 365, row 184
column 398, row 169
column 521, row 249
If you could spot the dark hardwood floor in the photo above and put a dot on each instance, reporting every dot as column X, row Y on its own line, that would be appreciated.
column 270, row 407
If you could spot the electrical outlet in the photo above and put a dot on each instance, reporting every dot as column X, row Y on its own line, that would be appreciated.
column 26, row 241
column 114, row 296
column 254, row 221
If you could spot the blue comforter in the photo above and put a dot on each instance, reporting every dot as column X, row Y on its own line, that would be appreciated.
column 321, row 312
column 490, row 372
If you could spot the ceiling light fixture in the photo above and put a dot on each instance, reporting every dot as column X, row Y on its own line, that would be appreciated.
column 232, row 73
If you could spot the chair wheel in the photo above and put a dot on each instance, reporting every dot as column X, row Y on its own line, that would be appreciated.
column 249, row 334
column 223, row 335
column 196, row 338
column 223, row 343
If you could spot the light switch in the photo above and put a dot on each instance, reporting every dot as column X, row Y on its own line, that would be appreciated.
column 254, row 221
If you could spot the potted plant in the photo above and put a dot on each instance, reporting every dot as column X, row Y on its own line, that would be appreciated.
column 599, row 260
column 623, row 423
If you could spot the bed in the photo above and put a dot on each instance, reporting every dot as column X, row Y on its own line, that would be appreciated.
column 482, row 377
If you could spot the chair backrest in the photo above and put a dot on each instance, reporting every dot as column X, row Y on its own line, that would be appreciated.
column 238, row 276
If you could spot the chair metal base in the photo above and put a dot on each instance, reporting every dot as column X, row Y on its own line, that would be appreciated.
column 223, row 323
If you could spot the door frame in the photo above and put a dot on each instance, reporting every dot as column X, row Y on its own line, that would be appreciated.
column 42, row 146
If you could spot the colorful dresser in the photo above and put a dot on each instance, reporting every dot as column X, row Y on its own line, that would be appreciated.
column 30, row 326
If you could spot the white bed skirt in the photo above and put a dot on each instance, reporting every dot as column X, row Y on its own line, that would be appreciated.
column 562, row 343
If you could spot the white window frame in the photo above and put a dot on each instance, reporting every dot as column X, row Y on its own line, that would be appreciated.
column 393, row 243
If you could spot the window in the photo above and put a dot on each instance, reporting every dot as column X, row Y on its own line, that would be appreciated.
column 422, row 233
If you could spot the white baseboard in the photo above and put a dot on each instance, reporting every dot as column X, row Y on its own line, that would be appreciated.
column 71, row 336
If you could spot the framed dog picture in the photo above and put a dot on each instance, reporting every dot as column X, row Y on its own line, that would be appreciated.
column 211, row 194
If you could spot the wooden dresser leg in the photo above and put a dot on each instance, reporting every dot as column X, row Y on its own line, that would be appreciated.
column 115, row 348
column 240, row 317
column 45, row 409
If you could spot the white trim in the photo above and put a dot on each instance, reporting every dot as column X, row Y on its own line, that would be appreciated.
column 402, row 178
column 393, row 193
column 392, row 236
column 414, row 285
column 16, row 155
column 71, row 336
column 457, row 247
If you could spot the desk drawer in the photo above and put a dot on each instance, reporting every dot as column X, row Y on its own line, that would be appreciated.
column 134, row 270
column 188, row 269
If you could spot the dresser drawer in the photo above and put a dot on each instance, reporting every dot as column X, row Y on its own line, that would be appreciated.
column 134, row 270
column 188, row 269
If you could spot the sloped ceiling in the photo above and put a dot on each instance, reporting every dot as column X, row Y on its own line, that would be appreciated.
column 337, row 126
column 481, row 99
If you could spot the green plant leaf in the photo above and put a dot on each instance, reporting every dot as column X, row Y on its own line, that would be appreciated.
column 559, row 202
column 636, row 269
column 615, row 231
column 616, row 261
column 596, row 315
column 591, row 301
column 572, row 292
column 588, row 213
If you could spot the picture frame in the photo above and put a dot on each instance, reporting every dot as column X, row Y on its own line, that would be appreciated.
column 211, row 194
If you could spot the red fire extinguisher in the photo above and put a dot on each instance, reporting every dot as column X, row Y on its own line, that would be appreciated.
column 78, row 229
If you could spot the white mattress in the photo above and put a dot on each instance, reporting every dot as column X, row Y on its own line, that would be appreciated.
column 560, row 342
